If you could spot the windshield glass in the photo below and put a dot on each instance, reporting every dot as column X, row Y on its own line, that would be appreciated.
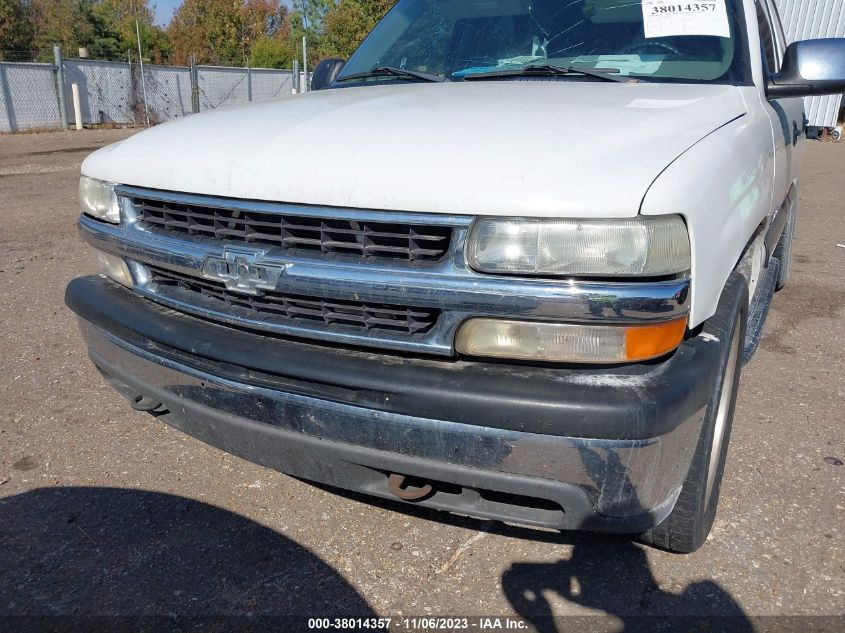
column 657, row 40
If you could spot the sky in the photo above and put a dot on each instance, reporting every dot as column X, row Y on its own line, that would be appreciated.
column 164, row 10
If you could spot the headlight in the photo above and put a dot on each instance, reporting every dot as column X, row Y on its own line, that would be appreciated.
column 99, row 200
column 567, row 342
column 638, row 247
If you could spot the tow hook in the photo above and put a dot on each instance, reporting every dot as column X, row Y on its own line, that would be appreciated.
column 144, row 403
column 398, row 485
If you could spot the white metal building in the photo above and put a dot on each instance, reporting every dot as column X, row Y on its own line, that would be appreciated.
column 813, row 19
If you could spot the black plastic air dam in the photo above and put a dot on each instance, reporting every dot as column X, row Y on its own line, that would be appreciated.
column 629, row 402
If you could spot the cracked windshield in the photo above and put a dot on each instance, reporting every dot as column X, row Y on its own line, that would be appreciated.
column 652, row 40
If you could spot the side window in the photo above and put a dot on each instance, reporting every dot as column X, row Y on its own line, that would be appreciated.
column 767, row 39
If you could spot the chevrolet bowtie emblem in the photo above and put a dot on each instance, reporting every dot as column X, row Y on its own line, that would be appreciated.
column 241, row 273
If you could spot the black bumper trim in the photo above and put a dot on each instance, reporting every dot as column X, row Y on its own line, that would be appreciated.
column 630, row 402
column 480, row 493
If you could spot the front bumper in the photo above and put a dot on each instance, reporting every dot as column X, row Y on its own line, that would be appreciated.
column 573, row 448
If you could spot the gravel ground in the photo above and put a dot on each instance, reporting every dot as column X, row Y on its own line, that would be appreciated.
column 104, row 510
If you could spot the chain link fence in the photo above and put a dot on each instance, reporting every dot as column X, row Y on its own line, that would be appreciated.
column 219, row 86
column 105, row 91
column 266, row 84
column 28, row 97
column 116, row 92
column 166, row 90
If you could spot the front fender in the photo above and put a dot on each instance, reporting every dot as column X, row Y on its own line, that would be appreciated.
column 722, row 186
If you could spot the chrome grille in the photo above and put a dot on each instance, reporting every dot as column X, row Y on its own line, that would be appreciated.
column 275, row 306
column 368, row 240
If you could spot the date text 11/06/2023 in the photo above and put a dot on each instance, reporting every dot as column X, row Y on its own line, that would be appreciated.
column 427, row 623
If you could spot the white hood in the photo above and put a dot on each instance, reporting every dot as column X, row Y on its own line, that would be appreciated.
column 528, row 148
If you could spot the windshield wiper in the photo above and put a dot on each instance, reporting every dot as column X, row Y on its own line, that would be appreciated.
column 390, row 71
column 546, row 70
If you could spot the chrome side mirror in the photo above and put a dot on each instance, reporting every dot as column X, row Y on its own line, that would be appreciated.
column 811, row 67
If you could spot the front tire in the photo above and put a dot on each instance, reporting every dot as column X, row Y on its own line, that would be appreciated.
column 687, row 526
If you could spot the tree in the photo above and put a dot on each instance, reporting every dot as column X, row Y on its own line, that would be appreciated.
column 105, row 27
column 273, row 52
column 276, row 48
column 67, row 23
column 116, row 20
column 347, row 23
column 16, row 30
column 307, row 19
column 223, row 32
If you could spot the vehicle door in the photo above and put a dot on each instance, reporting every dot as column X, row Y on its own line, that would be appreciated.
column 787, row 115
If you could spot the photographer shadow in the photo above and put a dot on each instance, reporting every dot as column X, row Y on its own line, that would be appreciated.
column 612, row 576
column 86, row 552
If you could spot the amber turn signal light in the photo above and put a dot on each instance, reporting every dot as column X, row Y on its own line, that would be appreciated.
column 650, row 341
column 568, row 342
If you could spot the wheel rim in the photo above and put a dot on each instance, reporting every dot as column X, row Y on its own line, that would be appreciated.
column 722, row 414
column 758, row 264
column 787, row 252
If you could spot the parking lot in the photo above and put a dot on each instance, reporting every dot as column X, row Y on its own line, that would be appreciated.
column 107, row 511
